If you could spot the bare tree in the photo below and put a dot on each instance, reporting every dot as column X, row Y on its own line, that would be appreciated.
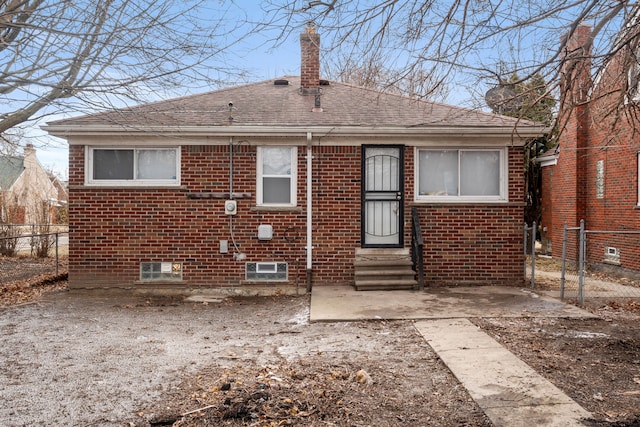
column 89, row 54
column 471, row 44
column 370, row 71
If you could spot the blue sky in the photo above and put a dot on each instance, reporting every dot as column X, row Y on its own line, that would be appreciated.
column 257, row 56
column 261, row 63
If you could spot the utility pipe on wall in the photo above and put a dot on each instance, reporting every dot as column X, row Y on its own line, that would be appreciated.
column 309, row 209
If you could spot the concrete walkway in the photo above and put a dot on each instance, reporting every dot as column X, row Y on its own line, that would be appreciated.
column 344, row 303
column 506, row 389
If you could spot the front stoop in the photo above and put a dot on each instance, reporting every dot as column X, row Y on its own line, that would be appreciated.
column 383, row 270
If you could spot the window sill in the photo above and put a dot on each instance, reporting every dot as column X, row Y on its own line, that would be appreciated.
column 276, row 209
column 466, row 203
column 159, row 282
column 127, row 187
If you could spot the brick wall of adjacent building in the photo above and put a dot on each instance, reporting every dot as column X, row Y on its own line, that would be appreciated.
column 112, row 230
column 599, row 129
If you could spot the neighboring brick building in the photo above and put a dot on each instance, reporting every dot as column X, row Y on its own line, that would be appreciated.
column 285, row 181
column 593, row 175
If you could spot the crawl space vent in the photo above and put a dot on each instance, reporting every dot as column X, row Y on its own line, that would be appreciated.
column 266, row 271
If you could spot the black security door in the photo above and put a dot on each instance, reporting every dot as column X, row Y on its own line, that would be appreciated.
column 382, row 196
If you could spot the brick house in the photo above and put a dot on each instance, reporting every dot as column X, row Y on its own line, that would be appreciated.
column 593, row 174
column 27, row 194
column 287, row 182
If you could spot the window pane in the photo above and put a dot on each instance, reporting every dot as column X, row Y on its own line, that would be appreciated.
column 382, row 169
column 480, row 173
column 276, row 161
column 276, row 190
column 156, row 164
column 438, row 175
column 112, row 164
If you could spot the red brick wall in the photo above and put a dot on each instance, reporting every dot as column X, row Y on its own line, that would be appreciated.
column 114, row 229
column 569, row 185
column 475, row 243
column 602, row 129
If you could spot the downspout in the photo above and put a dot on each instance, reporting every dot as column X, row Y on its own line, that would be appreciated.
column 309, row 211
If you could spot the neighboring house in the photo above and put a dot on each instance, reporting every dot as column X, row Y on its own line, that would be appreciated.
column 287, row 181
column 593, row 174
column 27, row 195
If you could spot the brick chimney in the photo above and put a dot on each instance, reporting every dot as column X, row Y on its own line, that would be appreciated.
column 310, row 58
column 30, row 159
column 576, row 66
column 569, row 195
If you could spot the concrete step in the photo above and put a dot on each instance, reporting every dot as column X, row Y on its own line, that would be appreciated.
column 384, row 285
column 383, row 269
column 388, row 275
column 400, row 262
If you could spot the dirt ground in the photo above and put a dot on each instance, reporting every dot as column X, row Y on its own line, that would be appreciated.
column 72, row 358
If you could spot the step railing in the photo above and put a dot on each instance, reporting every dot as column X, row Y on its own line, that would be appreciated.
column 417, row 245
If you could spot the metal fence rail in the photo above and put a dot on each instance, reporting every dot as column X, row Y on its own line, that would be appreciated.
column 33, row 256
column 577, row 278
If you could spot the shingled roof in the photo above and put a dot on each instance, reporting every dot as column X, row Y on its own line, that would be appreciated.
column 292, row 104
column 282, row 103
column 10, row 169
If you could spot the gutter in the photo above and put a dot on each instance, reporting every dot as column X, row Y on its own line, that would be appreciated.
column 517, row 132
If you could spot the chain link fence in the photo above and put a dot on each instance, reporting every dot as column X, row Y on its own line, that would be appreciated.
column 589, row 266
column 32, row 252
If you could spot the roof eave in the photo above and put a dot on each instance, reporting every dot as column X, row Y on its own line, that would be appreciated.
column 520, row 132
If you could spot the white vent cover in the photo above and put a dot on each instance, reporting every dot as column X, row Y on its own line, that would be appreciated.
column 276, row 271
column 611, row 255
column 265, row 232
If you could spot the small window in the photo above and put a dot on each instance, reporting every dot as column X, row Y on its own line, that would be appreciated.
column 160, row 271
column 633, row 82
column 455, row 175
column 277, row 173
column 266, row 271
column 133, row 166
column 600, row 179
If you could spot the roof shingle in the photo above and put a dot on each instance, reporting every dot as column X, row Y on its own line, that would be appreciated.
column 265, row 104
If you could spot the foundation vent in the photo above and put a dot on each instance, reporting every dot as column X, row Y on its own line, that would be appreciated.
column 266, row 271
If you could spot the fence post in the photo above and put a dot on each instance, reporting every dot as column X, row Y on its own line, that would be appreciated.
column 57, row 258
column 564, row 260
column 525, row 251
column 533, row 254
column 581, row 263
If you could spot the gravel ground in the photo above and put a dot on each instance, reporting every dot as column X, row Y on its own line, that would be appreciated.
column 92, row 359
column 83, row 359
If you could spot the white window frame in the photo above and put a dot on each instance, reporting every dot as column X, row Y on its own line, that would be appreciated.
column 293, row 177
column 503, row 184
column 89, row 169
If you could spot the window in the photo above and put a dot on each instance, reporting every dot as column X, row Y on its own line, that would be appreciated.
column 461, row 175
column 133, row 166
column 277, row 168
column 633, row 82
column 159, row 271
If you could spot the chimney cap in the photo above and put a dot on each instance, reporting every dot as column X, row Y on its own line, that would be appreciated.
column 311, row 28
